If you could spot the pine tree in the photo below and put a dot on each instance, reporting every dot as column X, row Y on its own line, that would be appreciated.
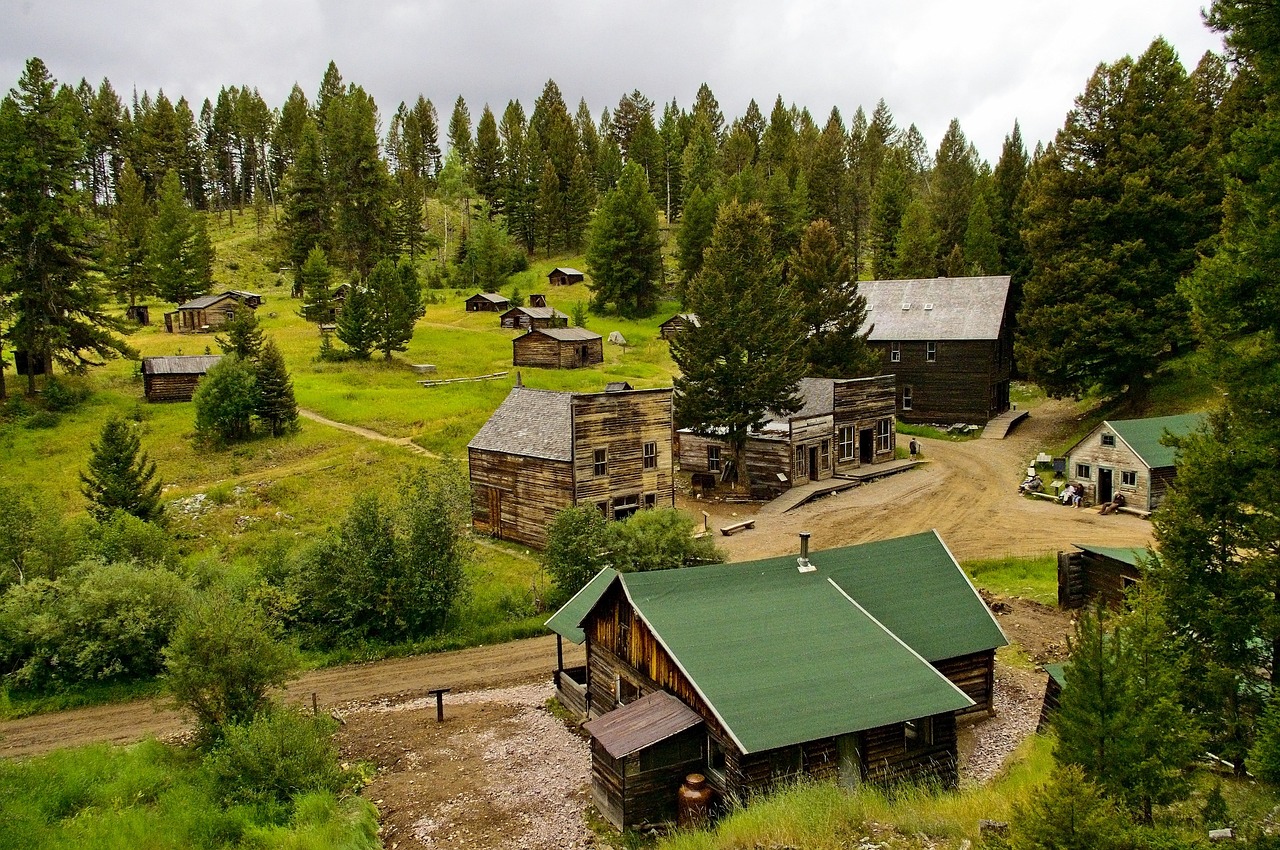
column 127, row 250
column 624, row 249
column 121, row 476
column 396, row 298
column 981, row 249
column 356, row 325
column 747, row 356
column 358, row 181
column 832, row 311
column 951, row 187
column 316, row 279
column 460, row 132
column 275, row 405
column 696, row 225
column 308, row 218
column 889, row 201
column 916, row 248
column 173, row 251
column 486, row 160
column 244, row 336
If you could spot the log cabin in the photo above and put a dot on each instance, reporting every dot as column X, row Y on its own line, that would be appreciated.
column 1127, row 456
column 851, row 664
column 543, row 451
column 843, row 424
column 174, row 378
column 949, row 343
column 209, row 312
column 564, row 276
column 558, row 348
column 672, row 327
column 488, row 302
column 1104, row 572
column 534, row 317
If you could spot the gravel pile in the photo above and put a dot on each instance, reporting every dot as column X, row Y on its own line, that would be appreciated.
column 1019, row 696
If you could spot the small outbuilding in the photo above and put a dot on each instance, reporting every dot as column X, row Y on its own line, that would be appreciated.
column 1106, row 572
column 672, row 327
column 558, row 348
column 534, row 317
column 564, row 276
column 174, row 378
column 210, row 312
column 1127, row 456
column 488, row 302
column 537, row 300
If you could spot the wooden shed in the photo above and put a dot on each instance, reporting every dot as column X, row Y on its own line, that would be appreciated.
column 174, row 378
column 1107, row 572
column 543, row 451
column 558, row 348
column 564, row 276
column 672, row 327
column 534, row 317
column 537, row 299
column 1127, row 456
column 488, row 302
column 948, row 343
column 843, row 424
column 771, row 675
column 1052, row 693
column 210, row 312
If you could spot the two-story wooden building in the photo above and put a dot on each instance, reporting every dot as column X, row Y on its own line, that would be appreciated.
column 948, row 342
column 543, row 451
column 843, row 424
column 1127, row 456
column 848, row 663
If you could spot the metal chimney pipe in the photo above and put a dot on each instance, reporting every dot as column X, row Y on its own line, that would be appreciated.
column 804, row 545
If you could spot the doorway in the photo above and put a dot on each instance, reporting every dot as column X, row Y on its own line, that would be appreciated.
column 1104, row 485
column 866, row 446
column 813, row 463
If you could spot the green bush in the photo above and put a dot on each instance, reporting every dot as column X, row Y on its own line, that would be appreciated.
column 41, row 419
column 274, row 757
column 62, row 396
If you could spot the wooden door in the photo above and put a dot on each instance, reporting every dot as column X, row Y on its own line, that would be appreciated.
column 495, row 512
column 1104, row 485
column 813, row 463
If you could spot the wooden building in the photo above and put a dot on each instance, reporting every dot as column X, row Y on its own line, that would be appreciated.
column 174, row 378
column 543, row 451
column 534, row 317
column 563, row 276
column 1052, row 693
column 948, row 342
column 558, row 348
column 488, row 302
column 1127, row 456
column 831, row 665
column 537, row 299
column 1106, row 572
column 844, row 423
column 210, row 312
column 672, row 327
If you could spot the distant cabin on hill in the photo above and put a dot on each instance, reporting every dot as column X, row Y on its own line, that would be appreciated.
column 174, row 378
column 558, row 348
column 1127, row 456
column 672, row 327
column 947, row 341
column 564, row 276
column 488, row 302
column 849, row 664
column 543, row 451
column 210, row 312
column 534, row 317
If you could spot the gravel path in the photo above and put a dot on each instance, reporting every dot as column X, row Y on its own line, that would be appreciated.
column 1019, row 696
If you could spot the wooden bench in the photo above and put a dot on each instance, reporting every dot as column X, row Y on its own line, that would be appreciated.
column 1042, row 494
column 737, row 526
column 1138, row 512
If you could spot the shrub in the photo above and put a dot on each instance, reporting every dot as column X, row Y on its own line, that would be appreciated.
column 63, row 397
column 577, row 542
column 274, row 757
column 41, row 419
column 224, row 400
column 660, row 539
column 1068, row 813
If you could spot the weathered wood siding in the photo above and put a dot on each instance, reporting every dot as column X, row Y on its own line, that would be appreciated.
column 514, row 497
column 621, row 424
column 967, row 382
column 571, row 690
column 630, row 792
column 887, row 760
column 1085, row 575
column 513, row 320
column 975, row 675
column 170, row 387
column 476, row 304
column 863, row 405
column 1119, row 459
column 548, row 353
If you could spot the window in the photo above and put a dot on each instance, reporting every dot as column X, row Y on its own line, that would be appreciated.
column 625, row 506
column 624, row 639
column 844, row 449
column 824, row 455
column 1082, row 471
column 931, row 352
column 802, row 462
column 650, row 455
column 1109, row 440
column 1129, row 479
column 600, row 462
column 603, row 508
column 715, row 758
column 672, row 752
column 906, row 398
column 625, row 691
column 713, row 458
column 918, row 734
column 884, row 435
column 895, row 352
column 650, row 501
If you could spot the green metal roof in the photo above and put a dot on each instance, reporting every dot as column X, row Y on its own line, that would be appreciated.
column 1134, row 557
column 1143, row 435
column 1057, row 672
column 567, row 622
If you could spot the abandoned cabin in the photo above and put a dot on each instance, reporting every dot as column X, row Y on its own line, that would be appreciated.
column 534, row 317
column 209, row 312
column 558, row 348
column 543, row 451
column 1127, row 456
column 1102, row 572
column 849, row 663
column 844, row 423
column 949, row 343
column 488, row 302
column 174, row 378
column 672, row 327
column 537, row 299
column 563, row 276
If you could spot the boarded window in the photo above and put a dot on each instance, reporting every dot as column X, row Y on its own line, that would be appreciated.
column 1083, row 471
column 600, row 462
column 650, row 455
column 884, row 435
column 1109, row 440
column 931, row 352
column 1129, row 478
column 713, row 458
column 650, row 501
column 844, row 450
column 895, row 352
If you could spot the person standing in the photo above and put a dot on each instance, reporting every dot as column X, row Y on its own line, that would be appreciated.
column 914, row 447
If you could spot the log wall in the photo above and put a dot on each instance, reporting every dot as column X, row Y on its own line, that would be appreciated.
column 1085, row 575
column 968, row 381
column 170, row 387
column 887, row 760
column 974, row 674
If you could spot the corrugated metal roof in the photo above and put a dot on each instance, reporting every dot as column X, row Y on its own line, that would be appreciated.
column 942, row 308
column 534, row 423
column 784, row 657
column 206, row 301
column 567, row 334
column 567, row 622
column 642, row 724
column 564, row 269
column 1125, row 555
column 179, row 364
column 1144, row 435
column 493, row 297
column 537, row 312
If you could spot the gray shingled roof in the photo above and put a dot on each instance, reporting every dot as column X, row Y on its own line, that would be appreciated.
column 538, row 312
column 567, row 334
column 494, row 297
column 533, row 423
column 179, row 364
column 564, row 269
column 205, row 301
column 691, row 318
column 951, row 308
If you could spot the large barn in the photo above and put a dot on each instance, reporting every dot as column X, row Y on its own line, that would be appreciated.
column 848, row 663
column 543, row 451
column 1128, row 456
column 949, row 343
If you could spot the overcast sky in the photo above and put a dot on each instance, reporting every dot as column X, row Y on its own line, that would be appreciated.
column 986, row 62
